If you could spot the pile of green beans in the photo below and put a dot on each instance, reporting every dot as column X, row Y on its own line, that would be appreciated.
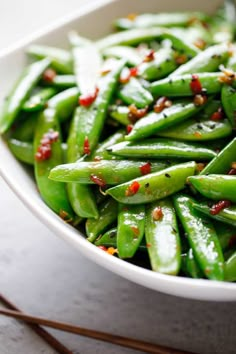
column 132, row 139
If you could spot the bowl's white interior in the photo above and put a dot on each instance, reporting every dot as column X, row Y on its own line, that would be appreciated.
column 94, row 22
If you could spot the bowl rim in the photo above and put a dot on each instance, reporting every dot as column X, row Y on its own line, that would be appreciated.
column 164, row 283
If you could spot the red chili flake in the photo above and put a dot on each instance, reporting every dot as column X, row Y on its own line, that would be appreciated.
column 98, row 180
column 157, row 214
column 135, row 230
column 195, row 84
column 132, row 189
column 181, row 59
column 201, row 166
column 129, row 128
column 148, row 245
column 87, row 99
column 145, row 169
column 126, row 74
column 217, row 208
column 162, row 103
column 112, row 250
column 198, row 135
column 232, row 172
column 232, row 241
column 49, row 75
column 43, row 153
column 133, row 71
column 150, row 56
column 103, row 248
column 87, row 150
column 50, row 137
column 200, row 43
column 65, row 216
column 227, row 77
column 218, row 115
column 136, row 113
column 199, row 100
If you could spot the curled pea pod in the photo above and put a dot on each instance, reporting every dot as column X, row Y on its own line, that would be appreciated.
column 64, row 103
column 162, row 237
column 53, row 193
column 130, row 229
column 155, row 122
column 189, row 265
column 202, row 238
column 99, row 172
column 177, row 86
column 22, row 150
column 221, row 164
column 206, row 61
column 131, row 55
column 134, row 93
column 228, row 97
column 162, row 19
column 107, row 216
column 61, row 59
column 216, row 187
column 227, row 215
column 81, row 197
column 153, row 186
column 101, row 153
column 20, row 92
column 163, row 64
column 230, row 268
column 38, row 101
column 160, row 148
column 62, row 82
column 92, row 118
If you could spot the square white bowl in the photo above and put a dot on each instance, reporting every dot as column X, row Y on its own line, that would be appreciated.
column 94, row 21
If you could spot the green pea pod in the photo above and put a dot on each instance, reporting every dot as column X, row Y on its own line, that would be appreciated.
column 177, row 86
column 120, row 114
column 227, row 215
column 38, row 101
column 160, row 148
column 226, row 235
column 81, row 197
column 107, row 216
column 163, row 64
column 216, row 187
column 154, row 122
column 153, row 186
column 61, row 59
column 134, row 93
column 162, row 237
column 20, row 92
column 221, row 164
column 228, row 98
column 92, row 118
column 174, row 19
column 202, row 238
column 25, row 130
column 64, row 103
column 131, row 55
column 53, row 193
column 222, row 24
column 99, row 172
column 189, row 265
column 101, row 153
column 22, row 150
column 62, row 82
column 230, row 268
column 130, row 229
column 206, row 61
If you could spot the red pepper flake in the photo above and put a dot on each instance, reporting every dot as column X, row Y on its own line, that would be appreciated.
column 133, row 71
column 180, row 58
column 129, row 128
column 150, row 56
column 200, row 43
column 65, row 216
column 217, row 208
column 98, row 180
column 87, row 99
column 227, row 77
column 126, row 74
column 87, row 150
column 201, row 166
column 135, row 230
column 162, row 103
column 103, row 248
column 135, row 113
column 132, row 189
column 112, row 251
column 49, row 75
column 218, row 115
column 199, row 100
column 44, row 150
column 148, row 245
column 232, row 241
column 146, row 168
column 195, row 84
column 232, row 172
column 197, row 135
column 157, row 214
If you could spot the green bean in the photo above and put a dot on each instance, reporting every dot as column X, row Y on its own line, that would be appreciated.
column 130, row 229
column 162, row 237
column 133, row 93
column 153, row 186
column 38, row 101
column 20, row 92
column 202, row 238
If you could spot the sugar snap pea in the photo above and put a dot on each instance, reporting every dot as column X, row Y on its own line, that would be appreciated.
column 153, row 186
column 162, row 237
column 228, row 97
column 230, row 268
column 22, row 150
column 133, row 93
column 20, row 92
column 64, row 103
column 62, row 82
column 202, row 238
column 101, row 153
column 130, row 54
column 38, row 101
column 189, row 265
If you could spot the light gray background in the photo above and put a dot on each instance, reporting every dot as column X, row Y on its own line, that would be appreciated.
column 45, row 276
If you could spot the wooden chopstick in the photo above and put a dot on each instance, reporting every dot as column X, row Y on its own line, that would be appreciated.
column 114, row 339
column 52, row 341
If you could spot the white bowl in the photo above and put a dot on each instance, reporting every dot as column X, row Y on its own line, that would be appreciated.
column 94, row 21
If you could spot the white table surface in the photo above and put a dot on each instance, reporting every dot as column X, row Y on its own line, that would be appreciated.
column 45, row 276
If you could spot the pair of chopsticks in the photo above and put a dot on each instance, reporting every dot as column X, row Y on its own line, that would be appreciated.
column 35, row 323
